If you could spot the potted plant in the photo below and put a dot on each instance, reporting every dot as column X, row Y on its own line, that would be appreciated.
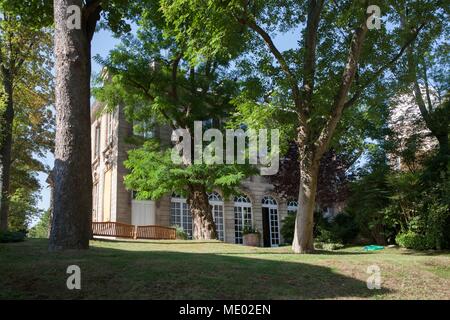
column 250, row 236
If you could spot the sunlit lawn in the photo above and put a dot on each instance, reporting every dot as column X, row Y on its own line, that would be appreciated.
column 214, row 270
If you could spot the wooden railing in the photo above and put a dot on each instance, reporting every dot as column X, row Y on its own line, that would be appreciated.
column 155, row 232
column 123, row 230
column 113, row 229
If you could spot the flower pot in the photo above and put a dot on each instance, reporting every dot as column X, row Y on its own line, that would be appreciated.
column 251, row 239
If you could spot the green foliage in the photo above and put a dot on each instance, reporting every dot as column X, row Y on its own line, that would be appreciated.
column 12, row 236
column 249, row 229
column 325, row 235
column 23, row 207
column 410, row 207
column 153, row 174
column 412, row 240
column 369, row 198
column 328, row 246
column 40, row 230
column 344, row 228
column 288, row 227
column 181, row 234
column 26, row 66
column 168, row 90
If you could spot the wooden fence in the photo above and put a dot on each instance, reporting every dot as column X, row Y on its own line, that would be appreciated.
column 155, row 232
column 123, row 230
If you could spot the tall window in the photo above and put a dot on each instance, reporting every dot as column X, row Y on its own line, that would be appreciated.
column 109, row 128
column 180, row 214
column 272, row 207
column 95, row 203
column 144, row 129
column 97, row 141
column 292, row 206
column 216, row 202
column 242, row 216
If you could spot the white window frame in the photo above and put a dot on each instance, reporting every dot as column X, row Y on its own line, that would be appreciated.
column 184, row 213
column 215, row 199
column 109, row 128
column 95, row 202
column 274, row 236
column 244, row 203
column 97, row 140
column 292, row 206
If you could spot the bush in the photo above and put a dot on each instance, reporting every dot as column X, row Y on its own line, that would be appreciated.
column 328, row 246
column 326, row 236
column 287, row 228
column 248, row 229
column 10, row 236
column 181, row 234
column 412, row 240
column 344, row 228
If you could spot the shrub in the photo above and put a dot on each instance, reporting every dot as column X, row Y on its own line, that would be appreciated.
column 248, row 229
column 344, row 228
column 10, row 236
column 287, row 228
column 326, row 236
column 181, row 234
column 412, row 240
column 328, row 246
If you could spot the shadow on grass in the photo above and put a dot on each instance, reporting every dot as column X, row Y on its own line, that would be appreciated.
column 149, row 241
column 29, row 271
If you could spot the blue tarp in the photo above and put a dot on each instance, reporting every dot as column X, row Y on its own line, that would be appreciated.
column 373, row 248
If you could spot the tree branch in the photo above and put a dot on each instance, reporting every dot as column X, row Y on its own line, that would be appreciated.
column 346, row 82
column 278, row 56
column 309, row 63
column 377, row 73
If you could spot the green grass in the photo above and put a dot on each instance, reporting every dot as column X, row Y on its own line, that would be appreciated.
column 214, row 270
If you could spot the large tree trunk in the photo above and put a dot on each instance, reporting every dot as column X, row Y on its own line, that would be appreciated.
column 72, row 203
column 5, row 151
column 304, row 223
column 204, row 227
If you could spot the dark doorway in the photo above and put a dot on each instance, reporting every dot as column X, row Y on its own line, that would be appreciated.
column 266, row 227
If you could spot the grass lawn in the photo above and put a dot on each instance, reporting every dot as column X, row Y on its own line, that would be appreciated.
column 214, row 270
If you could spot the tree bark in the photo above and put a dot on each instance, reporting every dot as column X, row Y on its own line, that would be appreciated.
column 204, row 227
column 303, row 241
column 72, row 203
column 5, row 150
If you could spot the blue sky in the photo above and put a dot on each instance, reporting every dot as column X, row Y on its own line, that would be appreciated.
column 102, row 43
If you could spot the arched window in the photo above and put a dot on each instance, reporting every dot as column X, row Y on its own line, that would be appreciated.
column 271, row 221
column 292, row 206
column 216, row 202
column 242, row 216
column 180, row 214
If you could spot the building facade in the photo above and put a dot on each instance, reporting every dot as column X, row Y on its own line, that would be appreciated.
column 256, row 204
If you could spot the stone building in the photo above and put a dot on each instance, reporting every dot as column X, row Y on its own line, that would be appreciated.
column 256, row 204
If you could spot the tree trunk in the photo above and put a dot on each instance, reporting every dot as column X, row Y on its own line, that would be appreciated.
column 304, row 223
column 5, row 151
column 204, row 227
column 72, row 203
